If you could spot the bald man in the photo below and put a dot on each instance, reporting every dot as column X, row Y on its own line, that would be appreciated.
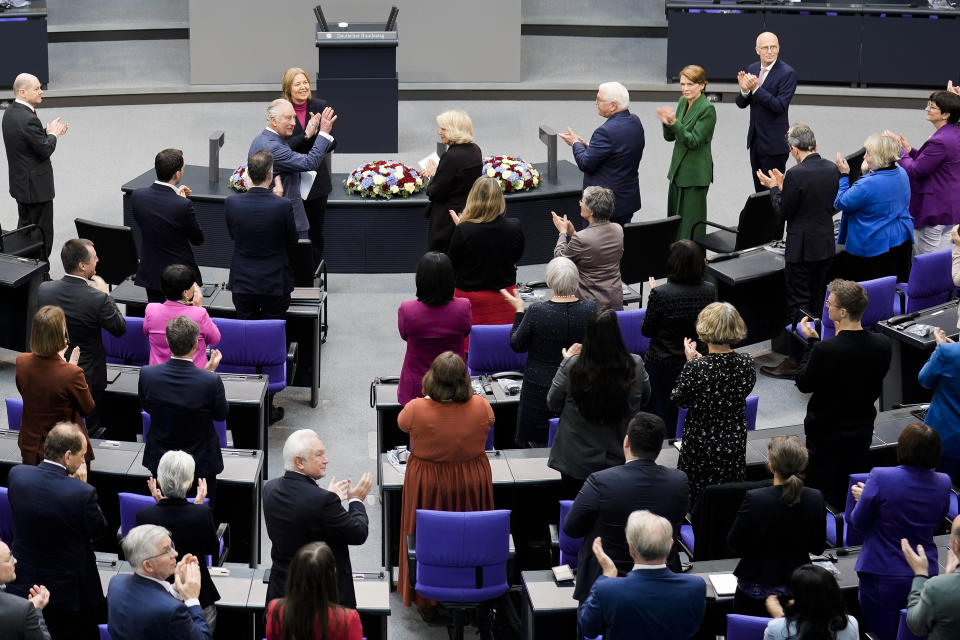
column 29, row 146
column 767, row 87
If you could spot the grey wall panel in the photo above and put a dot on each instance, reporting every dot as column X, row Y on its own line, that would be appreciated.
column 116, row 13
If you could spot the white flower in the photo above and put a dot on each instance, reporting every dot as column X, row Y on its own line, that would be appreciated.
column 491, row 172
column 536, row 180
column 378, row 180
column 398, row 173
column 409, row 187
column 517, row 185
column 419, row 182
column 394, row 189
column 507, row 175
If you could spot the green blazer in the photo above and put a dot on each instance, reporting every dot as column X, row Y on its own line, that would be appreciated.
column 692, row 164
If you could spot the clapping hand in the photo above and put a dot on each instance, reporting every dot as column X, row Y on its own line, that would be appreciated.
column 690, row 349
column 773, row 179
column 39, row 596
column 154, row 489
column 184, row 191
column 430, row 170
column 569, row 136
column 606, row 564
column 196, row 295
column 916, row 559
column 312, row 125
column 277, row 187
column 652, row 283
column 74, row 356
column 574, row 350
column 842, row 164
column 362, row 488
column 57, row 127
column 667, row 115
column 201, row 491
column 454, row 216
column 81, row 472
column 514, row 300
column 187, row 580
column 774, row 608
column 856, row 490
column 951, row 88
column 215, row 357
column 563, row 224
column 899, row 137
column 327, row 118
column 941, row 336
column 341, row 489
column 806, row 329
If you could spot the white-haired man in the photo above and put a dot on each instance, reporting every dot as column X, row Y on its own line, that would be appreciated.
column 298, row 511
column 666, row 605
column 612, row 157
column 20, row 617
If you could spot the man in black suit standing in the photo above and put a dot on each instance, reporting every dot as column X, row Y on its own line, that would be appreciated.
column 804, row 197
column 20, row 618
column 29, row 146
column 297, row 511
column 183, row 401
column 86, row 302
column 167, row 222
column 609, row 497
column 56, row 516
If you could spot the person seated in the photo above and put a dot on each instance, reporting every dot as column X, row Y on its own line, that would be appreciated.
column 190, row 524
column 664, row 604
column 942, row 374
column 309, row 609
column 596, row 250
column 184, row 298
column 815, row 609
column 933, row 606
column 542, row 331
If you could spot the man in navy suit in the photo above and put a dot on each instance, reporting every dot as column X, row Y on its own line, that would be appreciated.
column 183, row 401
column 288, row 164
column 651, row 600
column 20, row 618
column 29, row 146
column 612, row 157
column 767, row 87
column 167, row 222
column 608, row 498
column 56, row 517
column 143, row 605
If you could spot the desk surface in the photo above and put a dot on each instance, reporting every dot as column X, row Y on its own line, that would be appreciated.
column 750, row 265
column 384, row 394
column 240, row 389
column 943, row 316
column 392, row 479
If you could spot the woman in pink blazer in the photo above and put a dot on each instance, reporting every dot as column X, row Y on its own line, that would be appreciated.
column 183, row 299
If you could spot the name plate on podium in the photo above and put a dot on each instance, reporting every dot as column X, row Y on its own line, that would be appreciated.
column 386, row 36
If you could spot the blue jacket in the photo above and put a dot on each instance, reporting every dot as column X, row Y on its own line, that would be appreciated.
column 612, row 160
column 942, row 374
column 663, row 604
column 876, row 212
column 140, row 609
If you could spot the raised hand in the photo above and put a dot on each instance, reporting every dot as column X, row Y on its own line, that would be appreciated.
column 574, row 350
column 327, row 118
column 39, row 596
column 201, row 491
column 454, row 216
column 842, row 165
column 916, row 559
column 569, row 136
column 563, row 224
column 312, row 125
column 214, row 361
column 667, row 115
column 806, row 329
column 514, row 300
column 154, row 489
column 187, row 580
column 362, row 488
column 690, row 349
column 277, row 187
column 607, row 566
column 342, row 488
column 74, row 356
column 184, row 191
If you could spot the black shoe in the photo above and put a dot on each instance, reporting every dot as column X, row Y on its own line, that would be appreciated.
column 276, row 414
column 786, row 369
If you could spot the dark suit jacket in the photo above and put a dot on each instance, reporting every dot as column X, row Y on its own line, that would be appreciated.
column 605, row 502
column 193, row 531
column 612, row 160
column 183, row 401
column 140, row 609
column 660, row 603
column 168, row 226
column 769, row 119
column 456, row 172
column 56, row 518
column 29, row 148
column 772, row 539
column 288, row 164
column 264, row 237
column 300, row 143
column 298, row 511
column 806, row 203
column 20, row 620
column 87, row 310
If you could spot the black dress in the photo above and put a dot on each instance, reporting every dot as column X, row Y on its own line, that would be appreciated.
column 456, row 172
column 315, row 204
column 542, row 331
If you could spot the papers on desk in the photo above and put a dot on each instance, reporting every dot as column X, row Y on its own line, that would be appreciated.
column 677, row 444
column 426, row 160
column 394, row 461
column 778, row 247
column 725, row 584
column 305, row 294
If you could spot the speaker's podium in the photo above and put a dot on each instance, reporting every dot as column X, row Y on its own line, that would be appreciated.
column 19, row 282
column 358, row 78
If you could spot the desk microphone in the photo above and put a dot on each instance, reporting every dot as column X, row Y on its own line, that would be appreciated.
column 724, row 256
column 895, row 320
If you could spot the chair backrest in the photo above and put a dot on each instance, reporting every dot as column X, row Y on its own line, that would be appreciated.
column 462, row 556
column 25, row 242
column 130, row 504
column 490, row 350
column 569, row 547
column 132, row 348
column 880, row 294
column 220, row 426
column 6, row 518
column 104, row 633
column 759, row 223
column 302, row 263
column 741, row 627
column 489, row 444
column 852, row 536
column 931, row 282
column 713, row 515
column 751, row 413
column 254, row 346
column 552, row 425
column 630, row 321
column 903, row 631
column 116, row 249
column 646, row 246
column 14, row 413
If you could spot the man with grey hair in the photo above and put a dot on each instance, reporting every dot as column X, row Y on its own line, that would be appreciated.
column 933, row 606
column 297, row 511
column 666, row 605
column 596, row 250
column 612, row 157
column 143, row 605
column 287, row 163
column 20, row 617
column 804, row 197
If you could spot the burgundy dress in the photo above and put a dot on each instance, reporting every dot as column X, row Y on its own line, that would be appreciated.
column 429, row 331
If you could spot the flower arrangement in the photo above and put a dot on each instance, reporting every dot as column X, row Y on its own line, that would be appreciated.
column 513, row 174
column 384, row 179
column 239, row 179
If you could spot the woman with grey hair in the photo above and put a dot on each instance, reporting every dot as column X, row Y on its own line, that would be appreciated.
column 190, row 523
column 543, row 331
column 596, row 250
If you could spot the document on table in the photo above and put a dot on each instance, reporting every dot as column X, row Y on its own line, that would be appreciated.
column 426, row 160
column 725, row 584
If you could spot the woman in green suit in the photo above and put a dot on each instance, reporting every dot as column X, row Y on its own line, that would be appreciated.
column 690, row 126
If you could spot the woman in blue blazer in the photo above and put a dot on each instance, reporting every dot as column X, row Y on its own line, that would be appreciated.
column 908, row 501
column 942, row 374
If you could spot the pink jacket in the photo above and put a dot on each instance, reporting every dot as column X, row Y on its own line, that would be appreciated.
column 155, row 321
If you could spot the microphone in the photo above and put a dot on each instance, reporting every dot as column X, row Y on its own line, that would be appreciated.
column 895, row 320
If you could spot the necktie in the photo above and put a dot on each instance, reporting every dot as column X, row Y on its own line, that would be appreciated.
column 763, row 74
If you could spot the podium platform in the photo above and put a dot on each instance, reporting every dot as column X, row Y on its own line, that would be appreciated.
column 19, row 282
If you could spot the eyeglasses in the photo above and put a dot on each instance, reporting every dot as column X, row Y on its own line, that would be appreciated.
column 931, row 107
column 769, row 47
column 170, row 550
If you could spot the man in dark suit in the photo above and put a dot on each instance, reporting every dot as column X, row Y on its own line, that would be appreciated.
column 288, row 164
column 612, row 157
column 297, row 511
column 183, row 401
column 20, row 618
column 167, row 222
column 264, row 234
column 86, row 302
column 56, row 516
column 143, row 605
column 652, row 598
column 804, row 197
column 609, row 497
column 767, row 87
column 29, row 146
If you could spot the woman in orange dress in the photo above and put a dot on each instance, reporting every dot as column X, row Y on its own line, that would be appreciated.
column 448, row 469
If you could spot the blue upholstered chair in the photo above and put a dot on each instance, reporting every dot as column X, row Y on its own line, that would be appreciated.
column 552, row 423
column 840, row 533
column 14, row 413
column 131, row 503
column 751, row 412
column 104, row 634
column 741, row 627
column 219, row 425
column 630, row 321
column 931, row 283
column 6, row 518
column 132, row 348
column 569, row 547
column 490, row 350
column 903, row 631
column 256, row 347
